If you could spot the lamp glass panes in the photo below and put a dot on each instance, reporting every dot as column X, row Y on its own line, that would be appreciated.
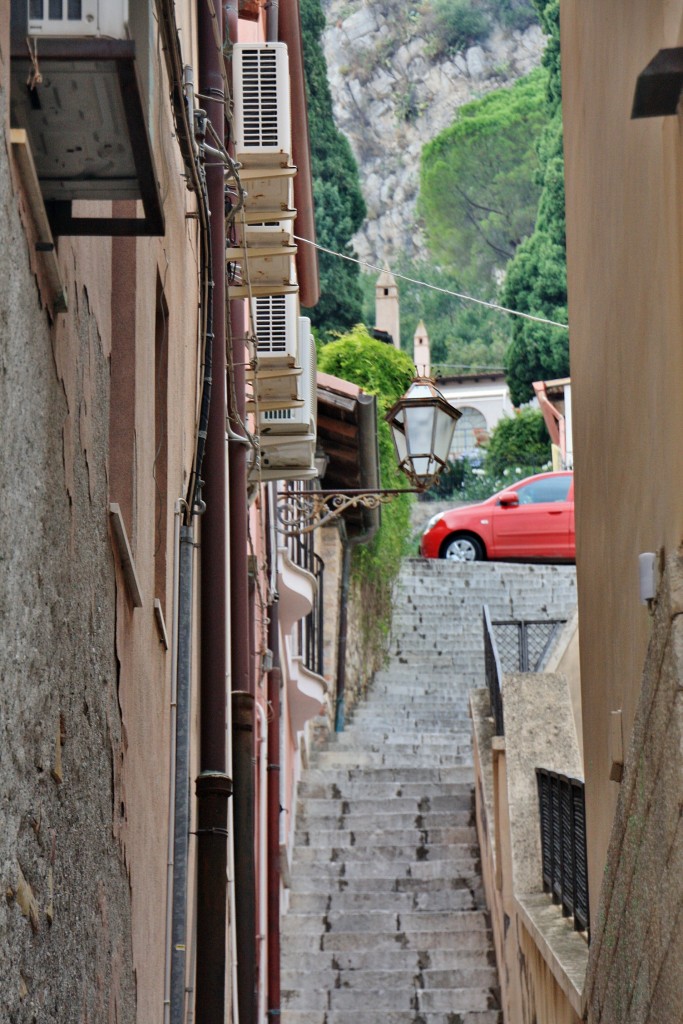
column 422, row 425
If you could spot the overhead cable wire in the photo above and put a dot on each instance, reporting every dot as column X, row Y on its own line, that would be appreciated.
column 435, row 287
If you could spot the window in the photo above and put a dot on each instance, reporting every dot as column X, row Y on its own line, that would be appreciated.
column 467, row 430
column 552, row 488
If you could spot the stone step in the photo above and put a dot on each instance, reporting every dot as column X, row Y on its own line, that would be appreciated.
column 385, row 922
column 374, row 979
column 410, row 961
column 344, row 816
column 436, row 794
column 347, row 872
column 347, row 776
column 462, row 898
column 398, row 997
column 357, row 759
column 324, row 1016
column 387, row 884
column 342, row 838
column 410, row 854
column 308, row 942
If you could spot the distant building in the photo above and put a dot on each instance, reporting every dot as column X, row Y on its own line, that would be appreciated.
column 387, row 317
column 483, row 399
column 421, row 352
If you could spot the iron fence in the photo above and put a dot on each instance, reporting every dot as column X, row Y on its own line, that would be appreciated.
column 562, row 811
column 494, row 673
column 524, row 644
column 311, row 627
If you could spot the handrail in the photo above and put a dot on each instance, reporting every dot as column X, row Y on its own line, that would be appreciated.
column 494, row 673
column 562, row 813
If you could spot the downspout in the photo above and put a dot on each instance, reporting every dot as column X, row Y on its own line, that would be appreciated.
column 263, row 875
column 242, row 681
column 243, row 717
column 274, row 678
column 181, row 778
column 213, row 785
column 289, row 30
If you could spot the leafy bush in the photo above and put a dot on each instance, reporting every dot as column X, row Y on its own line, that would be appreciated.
column 452, row 25
column 513, row 14
column 521, row 440
column 383, row 371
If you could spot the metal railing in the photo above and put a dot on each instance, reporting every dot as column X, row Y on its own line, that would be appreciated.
column 562, row 811
column 311, row 638
column 523, row 645
column 494, row 673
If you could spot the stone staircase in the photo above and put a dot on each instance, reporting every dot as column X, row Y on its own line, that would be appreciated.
column 387, row 920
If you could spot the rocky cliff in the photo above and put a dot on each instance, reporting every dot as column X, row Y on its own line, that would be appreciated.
column 393, row 93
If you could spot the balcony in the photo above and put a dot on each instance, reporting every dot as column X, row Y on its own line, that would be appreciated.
column 78, row 99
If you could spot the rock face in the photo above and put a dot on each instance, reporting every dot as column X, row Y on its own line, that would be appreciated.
column 391, row 96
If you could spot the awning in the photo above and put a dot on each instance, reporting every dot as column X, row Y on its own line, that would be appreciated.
column 347, row 433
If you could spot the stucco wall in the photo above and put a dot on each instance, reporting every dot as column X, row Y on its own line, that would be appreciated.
column 624, row 272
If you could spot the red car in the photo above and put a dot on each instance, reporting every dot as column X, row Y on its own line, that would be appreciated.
column 534, row 519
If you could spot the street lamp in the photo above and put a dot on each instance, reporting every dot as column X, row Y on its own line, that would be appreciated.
column 422, row 424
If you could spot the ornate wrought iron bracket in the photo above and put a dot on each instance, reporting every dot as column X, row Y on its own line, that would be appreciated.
column 300, row 512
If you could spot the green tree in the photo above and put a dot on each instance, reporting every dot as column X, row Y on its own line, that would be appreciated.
column 479, row 186
column 339, row 204
column 536, row 280
column 520, row 440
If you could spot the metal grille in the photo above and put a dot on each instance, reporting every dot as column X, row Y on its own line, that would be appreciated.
column 271, row 324
column 524, row 645
column 259, row 82
column 494, row 673
column 562, row 812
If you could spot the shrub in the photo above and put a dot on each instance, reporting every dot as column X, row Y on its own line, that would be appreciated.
column 455, row 24
column 521, row 440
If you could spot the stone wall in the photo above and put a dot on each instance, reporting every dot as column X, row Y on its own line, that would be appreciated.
column 635, row 971
column 65, row 920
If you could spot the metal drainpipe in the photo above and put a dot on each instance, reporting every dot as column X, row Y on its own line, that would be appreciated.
column 243, row 682
column 243, row 717
column 263, row 874
column 272, row 19
column 181, row 828
column 273, row 692
column 213, row 785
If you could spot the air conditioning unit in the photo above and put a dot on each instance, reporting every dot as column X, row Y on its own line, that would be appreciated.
column 277, row 335
column 263, row 121
column 268, row 198
column 276, row 423
column 78, row 18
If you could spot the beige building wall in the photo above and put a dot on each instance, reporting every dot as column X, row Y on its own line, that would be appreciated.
column 623, row 189
column 624, row 271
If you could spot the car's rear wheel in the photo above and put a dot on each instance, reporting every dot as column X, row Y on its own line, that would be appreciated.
column 462, row 548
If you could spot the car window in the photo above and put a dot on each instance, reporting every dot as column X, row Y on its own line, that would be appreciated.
column 552, row 488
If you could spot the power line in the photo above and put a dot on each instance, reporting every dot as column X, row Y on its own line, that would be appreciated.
column 435, row 287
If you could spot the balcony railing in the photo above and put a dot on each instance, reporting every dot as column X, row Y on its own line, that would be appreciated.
column 494, row 673
column 562, row 812
column 311, row 628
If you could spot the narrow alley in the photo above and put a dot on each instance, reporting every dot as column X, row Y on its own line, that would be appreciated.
column 386, row 910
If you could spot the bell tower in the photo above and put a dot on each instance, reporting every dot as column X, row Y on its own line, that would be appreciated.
column 386, row 306
column 421, row 356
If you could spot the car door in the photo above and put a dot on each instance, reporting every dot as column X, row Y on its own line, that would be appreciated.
column 541, row 525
